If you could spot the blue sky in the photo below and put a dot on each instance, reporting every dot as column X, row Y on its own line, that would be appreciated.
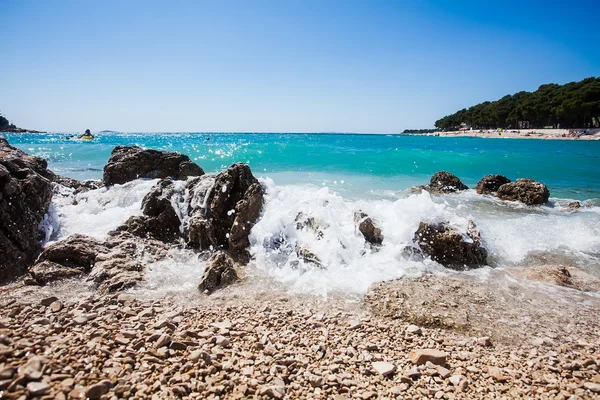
column 280, row 66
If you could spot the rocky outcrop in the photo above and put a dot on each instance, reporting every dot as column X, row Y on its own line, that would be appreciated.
column 220, row 272
column 367, row 227
column 115, row 264
column 526, row 191
column 127, row 163
column 222, row 214
column 25, row 194
column 444, row 182
column 160, row 220
column 490, row 184
column 449, row 247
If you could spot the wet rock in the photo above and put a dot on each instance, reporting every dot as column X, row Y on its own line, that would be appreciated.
column 160, row 220
column 526, row 191
column 219, row 272
column 574, row 205
column 490, row 184
column 223, row 212
column 77, row 251
column 422, row 356
column 560, row 275
column 127, row 163
column 445, row 182
column 307, row 257
column 47, row 271
column 449, row 247
column 367, row 227
column 25, row 194
column 78, row 186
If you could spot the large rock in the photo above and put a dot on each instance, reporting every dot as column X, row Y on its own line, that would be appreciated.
column 127, row 163
column 223, row 213
column 25, row 194
column 48, row 271
column 220, row 272
column 451, row 248
column 490, row 184
column 160, row 220
column 526, row 191
column 445, row 182
column 76, row 251
column 367, row 227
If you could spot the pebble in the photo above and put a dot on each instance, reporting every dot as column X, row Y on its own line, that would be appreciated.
column 37, row 388
column 48, row 300
column 413, row 330
column 594, row 387
column 384, row 368
column 421, row 356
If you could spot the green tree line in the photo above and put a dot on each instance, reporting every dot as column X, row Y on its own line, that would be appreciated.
column 572, row 105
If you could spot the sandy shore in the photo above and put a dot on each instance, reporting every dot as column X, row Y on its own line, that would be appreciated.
column 439, row 337
column 555, row 134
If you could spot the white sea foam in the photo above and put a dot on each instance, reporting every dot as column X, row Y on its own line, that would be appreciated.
column 96, row 212
column 513, row 234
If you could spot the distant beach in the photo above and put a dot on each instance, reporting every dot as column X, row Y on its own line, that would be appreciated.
column 553, row 134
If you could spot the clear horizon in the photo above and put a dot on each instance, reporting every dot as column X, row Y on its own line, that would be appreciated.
column 280, row 67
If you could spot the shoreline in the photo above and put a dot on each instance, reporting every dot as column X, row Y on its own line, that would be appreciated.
column 545, row 134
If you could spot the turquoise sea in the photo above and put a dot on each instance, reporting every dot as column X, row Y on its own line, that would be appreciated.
column 329, row 177
column 369, row 165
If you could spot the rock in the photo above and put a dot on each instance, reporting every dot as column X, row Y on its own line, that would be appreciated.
column 37, row 388
column 484, row 341
column 490, row 184
column 594, row 387
column 449, row 247
column 221, row 217
column 47, row 271
column 220, row 271
column 456, row 379
column 163, row 340
column 574, row 205
column 443, row 372
column 199, row 355
column 247, row 211
column 421, row 356
column 307, row 256
column 160, row 220
column 526, row 191
column 48, row 300
column 384, row 368
column 25, row 194
column 444, row 182
column 95, row 391
column 413, row 330
column 125, row 298
column 77, row 251
column 127, row 163
column 496, row 373
column 369, row 230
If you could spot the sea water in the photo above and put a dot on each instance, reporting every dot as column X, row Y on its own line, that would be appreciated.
column 330, row 176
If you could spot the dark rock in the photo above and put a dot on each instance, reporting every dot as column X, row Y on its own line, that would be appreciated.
column 25, row 194
column 369, row 230
column 490, row 184
column 526, row 191
column 247, row 211
column 219, row 272
column 77, row 251
column 78, row 186
column 445, row 182
column 48, row 271
column 574, row 205
column 127, row 163
column 221, row 216
column 160, row 221
column 451, row 248
column 307, row 256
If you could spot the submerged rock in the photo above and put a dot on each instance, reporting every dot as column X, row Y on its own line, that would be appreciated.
column 445, row 182
column 127, row 163
column 574, row 205
column 526, row 191
column 25, row 194
column 451, row 248
column 490, row 184
column 219, row 273
column 367, row 227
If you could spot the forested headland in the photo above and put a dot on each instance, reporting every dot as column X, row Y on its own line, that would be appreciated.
column 572, row 105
